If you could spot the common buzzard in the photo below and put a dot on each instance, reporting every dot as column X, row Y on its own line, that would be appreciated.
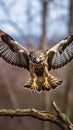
column 37, row 62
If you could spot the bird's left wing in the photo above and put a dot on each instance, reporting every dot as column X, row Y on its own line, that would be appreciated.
column 12, row 52
column 60, row 54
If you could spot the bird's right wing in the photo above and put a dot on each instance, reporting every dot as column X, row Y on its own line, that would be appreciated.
column 12, row 52
column 60, row 54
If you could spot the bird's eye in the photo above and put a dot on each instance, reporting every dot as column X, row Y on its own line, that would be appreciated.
column 40, row 56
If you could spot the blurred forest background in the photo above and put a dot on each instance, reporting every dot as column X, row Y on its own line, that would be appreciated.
column 36, row 24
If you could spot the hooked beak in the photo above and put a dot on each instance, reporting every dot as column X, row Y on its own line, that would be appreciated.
column 38, row 60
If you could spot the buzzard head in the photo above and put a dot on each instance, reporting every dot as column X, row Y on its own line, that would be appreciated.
column 37, row 56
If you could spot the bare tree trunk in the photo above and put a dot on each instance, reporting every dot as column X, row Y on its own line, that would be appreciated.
column 71, row 17
column 43, row 42
column 69, row 81
column 43, row 45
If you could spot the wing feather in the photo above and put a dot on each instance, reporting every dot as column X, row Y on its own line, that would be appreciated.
column 12, row 52
column 61, row 53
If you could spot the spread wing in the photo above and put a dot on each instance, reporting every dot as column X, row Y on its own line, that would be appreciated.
column 61, row 53
column 12, row 52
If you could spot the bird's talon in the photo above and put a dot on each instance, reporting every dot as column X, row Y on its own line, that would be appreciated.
column 34, row 86
column 46, row 83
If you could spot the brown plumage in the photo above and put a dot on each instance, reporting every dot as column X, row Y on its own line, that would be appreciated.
column 38, row 62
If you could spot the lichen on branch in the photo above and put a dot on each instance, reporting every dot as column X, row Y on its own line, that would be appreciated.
column 59, row 119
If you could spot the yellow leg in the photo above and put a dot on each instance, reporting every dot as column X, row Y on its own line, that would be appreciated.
column 46, row 83
column 34, row 85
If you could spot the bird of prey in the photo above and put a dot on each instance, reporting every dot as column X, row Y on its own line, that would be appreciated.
column 37, row 62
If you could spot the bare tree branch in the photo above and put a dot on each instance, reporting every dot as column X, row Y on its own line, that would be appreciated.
column 60, row 119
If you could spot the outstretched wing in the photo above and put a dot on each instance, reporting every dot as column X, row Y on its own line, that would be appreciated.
column 61, row 53
column 12, row 52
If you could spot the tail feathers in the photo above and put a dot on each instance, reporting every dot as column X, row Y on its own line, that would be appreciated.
column 54, row 82
column 28, row 83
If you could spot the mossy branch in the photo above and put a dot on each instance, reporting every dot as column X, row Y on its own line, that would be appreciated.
column 60, row 119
